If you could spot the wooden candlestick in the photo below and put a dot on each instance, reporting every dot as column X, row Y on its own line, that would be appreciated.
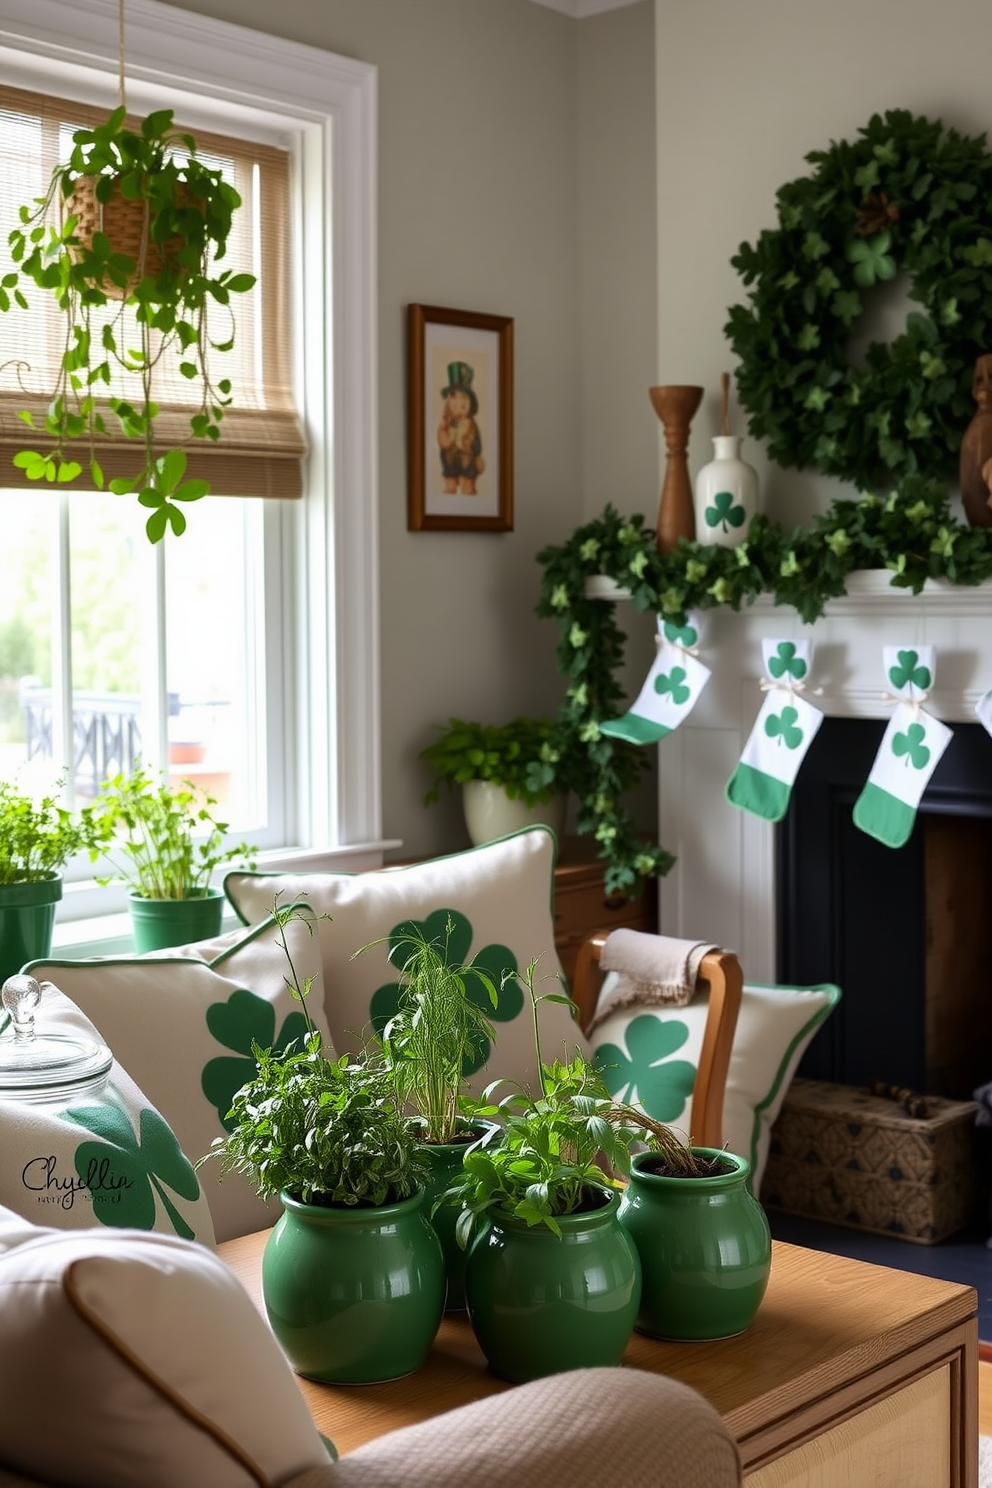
column 675, row 405
column 976, row 450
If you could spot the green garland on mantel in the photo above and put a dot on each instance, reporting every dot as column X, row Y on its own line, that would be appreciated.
column 911, row 533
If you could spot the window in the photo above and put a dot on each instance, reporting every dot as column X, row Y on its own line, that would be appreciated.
column 230, row 638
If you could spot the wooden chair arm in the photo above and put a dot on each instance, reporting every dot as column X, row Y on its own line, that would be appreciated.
column 722, row 972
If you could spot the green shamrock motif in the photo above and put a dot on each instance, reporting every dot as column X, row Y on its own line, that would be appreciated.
column 124, row 1172
column 645, row 1071
column 723, row 513
column 673, row 682
column 911, row 745
column 680, row 635
column 243, row 1020
column 783, row 726
column 872, row 260
column 909, row 672
column 785, row 662
column 494, row 960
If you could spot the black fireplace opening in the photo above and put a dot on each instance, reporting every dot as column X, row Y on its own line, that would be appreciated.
column 905, row 933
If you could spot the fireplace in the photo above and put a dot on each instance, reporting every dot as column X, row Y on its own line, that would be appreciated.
column 907, row 934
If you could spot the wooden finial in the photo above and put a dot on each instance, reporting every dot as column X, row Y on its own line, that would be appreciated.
column 725, row 395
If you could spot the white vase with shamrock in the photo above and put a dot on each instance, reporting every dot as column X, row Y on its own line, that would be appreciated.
column 726, row 494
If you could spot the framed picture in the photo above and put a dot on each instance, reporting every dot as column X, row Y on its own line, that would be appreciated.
column 460, row 421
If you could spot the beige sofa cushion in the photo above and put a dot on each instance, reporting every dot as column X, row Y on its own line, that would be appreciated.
column 134, row 1359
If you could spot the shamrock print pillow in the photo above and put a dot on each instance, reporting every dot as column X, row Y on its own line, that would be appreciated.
column 183, row 1023
column 499, row 899
column 648, row 1056
column 104, row 1157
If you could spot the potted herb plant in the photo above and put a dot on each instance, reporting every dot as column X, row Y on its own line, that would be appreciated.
column 511, row 775
column 165, row 844
column 38, row 836
column 128, row 239
column 439, row 1028
column 552, row 1280
column 352, row 1274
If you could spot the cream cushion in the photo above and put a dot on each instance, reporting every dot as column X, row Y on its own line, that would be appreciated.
column 500, row 899
column 101, row 1156
column 182, row 1025
column 140, row 1359
column 648, row 1056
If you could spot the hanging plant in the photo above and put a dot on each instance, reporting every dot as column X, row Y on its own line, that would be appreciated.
column 162, row 276
column 906, row 196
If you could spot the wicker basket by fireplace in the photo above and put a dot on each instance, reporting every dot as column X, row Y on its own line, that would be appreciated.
column 844, row 1156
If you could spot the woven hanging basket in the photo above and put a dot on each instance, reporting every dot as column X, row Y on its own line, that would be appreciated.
column 125, row 223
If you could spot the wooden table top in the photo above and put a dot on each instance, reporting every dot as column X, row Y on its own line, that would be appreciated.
column 825, row 1322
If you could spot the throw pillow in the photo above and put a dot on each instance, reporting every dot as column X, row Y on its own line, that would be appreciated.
column 499, row 898
column 648, row 1056
column 183, row 1028
column 97, row 1152
column 140, row 1359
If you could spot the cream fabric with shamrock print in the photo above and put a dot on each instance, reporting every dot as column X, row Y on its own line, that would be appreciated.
column 499, row 897
column 671, row 688
column 909, row 753
column 183, row 1028
column 103, row 1156
column 782, row 733
column 648, row 1056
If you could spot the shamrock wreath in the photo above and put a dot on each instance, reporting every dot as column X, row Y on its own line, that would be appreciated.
column 907, row 195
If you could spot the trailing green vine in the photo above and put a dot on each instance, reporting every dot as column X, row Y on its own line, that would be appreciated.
column 911, row 533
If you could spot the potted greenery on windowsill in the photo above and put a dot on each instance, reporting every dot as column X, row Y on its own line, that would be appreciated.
column 165, row 844
column 136, row 218
column 511, row 775
column 352, row 1274
column 38, row 836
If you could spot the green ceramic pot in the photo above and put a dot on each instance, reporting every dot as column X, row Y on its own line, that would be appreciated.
column 705, row 1249
column 27, row 919
column 540, row 1304
column 354, row 1295
column 445, row 1162
column 158, row 924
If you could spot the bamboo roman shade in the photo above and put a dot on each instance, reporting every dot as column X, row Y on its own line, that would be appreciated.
column 261, row 448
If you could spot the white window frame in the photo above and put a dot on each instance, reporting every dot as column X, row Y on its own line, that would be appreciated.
column 324, row 107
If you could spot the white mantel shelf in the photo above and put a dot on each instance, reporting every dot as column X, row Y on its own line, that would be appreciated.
column 722, row 887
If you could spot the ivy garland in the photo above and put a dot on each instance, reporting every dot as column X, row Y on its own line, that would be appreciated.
column 911, row 533
column 908, row 194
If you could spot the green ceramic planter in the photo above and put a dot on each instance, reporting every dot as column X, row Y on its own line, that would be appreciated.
column 27, row 919
column 160, row 923
column 540, row 1305
column 705, row 1250
column 445, row 1162
column 354, row 1296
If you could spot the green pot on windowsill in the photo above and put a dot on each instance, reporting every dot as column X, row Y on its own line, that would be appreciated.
column 27, row 919
column 160, row 923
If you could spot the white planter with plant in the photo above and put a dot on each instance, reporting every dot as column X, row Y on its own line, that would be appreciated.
column 165, row 845
column 512, row 775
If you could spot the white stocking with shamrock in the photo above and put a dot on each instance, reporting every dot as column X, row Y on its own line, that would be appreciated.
column 782, row 733
column 671, row 688
column 910, row 750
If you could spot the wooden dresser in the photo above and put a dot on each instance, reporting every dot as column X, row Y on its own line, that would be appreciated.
column 582, row 905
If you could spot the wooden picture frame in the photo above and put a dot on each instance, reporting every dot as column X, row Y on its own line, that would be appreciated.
column 460, row 421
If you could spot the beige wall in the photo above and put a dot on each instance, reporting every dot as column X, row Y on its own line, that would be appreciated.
column 488, row 203
column 744, row 92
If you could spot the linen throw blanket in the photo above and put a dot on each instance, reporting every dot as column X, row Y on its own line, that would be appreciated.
column 647, row 970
